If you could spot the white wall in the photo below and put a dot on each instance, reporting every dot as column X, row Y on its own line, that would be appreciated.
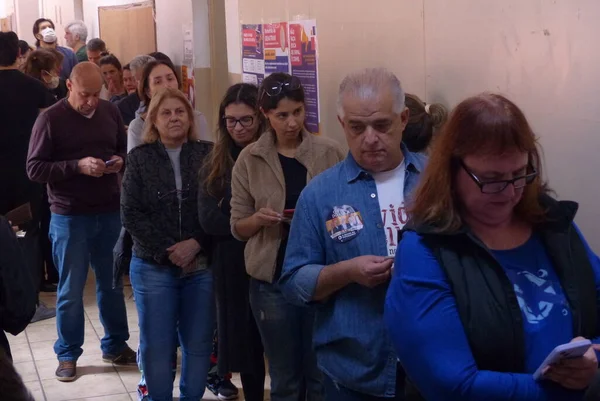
column 542, row 54
column 171, row 17
column 27, row 12
column 234, row 54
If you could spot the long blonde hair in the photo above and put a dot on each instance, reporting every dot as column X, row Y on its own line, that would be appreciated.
column 151, row 133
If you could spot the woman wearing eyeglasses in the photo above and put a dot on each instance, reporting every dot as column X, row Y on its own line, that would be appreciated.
column 169, row 274
column 492, row 273
column 239, row 345
column 266, row 183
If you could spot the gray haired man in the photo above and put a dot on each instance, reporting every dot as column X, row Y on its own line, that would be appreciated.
column 344, row 237
column 76, row 34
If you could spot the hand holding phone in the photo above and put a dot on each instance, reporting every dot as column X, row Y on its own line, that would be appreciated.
column 575, row 349
column 110, row 162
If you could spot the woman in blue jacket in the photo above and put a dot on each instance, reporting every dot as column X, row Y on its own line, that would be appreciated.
column 492, row 273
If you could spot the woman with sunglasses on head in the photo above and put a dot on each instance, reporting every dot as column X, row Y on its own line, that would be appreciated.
column 157, row 75
column 239, row 345
column 494, row 263
column 172, row 283
column 268, row 177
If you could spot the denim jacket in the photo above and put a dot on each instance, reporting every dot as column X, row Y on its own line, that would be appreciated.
column 350, row 339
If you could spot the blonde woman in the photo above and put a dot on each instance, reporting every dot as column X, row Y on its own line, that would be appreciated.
column 173, row 286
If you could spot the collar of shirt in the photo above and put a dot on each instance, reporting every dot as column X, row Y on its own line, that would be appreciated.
column 415, row 163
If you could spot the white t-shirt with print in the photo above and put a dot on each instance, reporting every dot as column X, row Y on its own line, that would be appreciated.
column 390, row 191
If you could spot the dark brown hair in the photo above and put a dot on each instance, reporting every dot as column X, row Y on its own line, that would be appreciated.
column 145, row 82
column 483, row 124
column 36, row 28
column 423, row 120
column 111, row 59
column 38, row 61
column 219, row 164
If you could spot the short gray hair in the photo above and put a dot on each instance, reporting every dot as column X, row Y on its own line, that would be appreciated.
column 78, row 28
column 140, row 62
column 367, row 84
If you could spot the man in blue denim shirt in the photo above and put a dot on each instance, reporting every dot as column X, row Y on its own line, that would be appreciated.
column 344, row 234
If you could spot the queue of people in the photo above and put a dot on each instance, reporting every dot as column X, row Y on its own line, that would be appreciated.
column 429, row 262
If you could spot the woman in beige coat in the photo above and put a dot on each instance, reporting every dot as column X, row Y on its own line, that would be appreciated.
column 268, row 178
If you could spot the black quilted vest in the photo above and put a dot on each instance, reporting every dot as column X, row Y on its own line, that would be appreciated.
column 485, row 298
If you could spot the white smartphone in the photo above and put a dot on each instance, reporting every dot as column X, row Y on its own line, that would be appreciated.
column 565, row 351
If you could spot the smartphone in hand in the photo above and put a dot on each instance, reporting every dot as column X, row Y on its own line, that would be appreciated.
column 110, row 162
column 572, row 350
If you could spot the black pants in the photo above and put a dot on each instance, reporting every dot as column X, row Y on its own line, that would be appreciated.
column 5, row 345
column 47, row 263
column 254, row 383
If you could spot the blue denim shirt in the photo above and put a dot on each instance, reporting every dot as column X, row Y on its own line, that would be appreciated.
column 352, row 345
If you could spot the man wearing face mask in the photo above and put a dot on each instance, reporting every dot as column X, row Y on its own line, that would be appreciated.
column 77, row 147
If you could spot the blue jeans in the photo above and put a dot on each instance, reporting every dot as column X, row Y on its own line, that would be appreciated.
column 286, row 332
column 77, row 243
column 336, row 392
column 168, row 304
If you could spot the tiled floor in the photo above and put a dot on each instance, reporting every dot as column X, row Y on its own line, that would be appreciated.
column 35, row 360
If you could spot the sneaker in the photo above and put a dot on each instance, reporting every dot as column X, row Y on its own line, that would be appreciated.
column 127, row 357
column 43, row 312
column 212, row 384
column 66, row 371
column 227, row 390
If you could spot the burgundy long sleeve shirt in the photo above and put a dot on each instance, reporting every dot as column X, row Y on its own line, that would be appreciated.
column 60, row 138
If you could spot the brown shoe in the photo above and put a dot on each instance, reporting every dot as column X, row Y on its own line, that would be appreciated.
column 66, row 371
column 125, row 358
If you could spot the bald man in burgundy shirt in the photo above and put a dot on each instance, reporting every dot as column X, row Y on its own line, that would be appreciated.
column 77, row 148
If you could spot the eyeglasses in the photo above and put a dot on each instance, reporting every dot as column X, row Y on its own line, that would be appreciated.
column 245, row 122
column 497, row 186
column 289, row 85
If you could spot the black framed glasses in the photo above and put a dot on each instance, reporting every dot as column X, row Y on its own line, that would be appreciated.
column 245, row 122
column 289, row 85
column 497, row 186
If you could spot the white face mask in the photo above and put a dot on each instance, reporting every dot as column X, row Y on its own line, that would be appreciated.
column 54, row 81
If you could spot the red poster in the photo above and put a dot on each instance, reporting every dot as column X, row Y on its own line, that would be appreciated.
column 249, row 37
column 296, row 45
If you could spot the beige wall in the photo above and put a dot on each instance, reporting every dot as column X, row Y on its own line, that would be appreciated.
column 539, row 53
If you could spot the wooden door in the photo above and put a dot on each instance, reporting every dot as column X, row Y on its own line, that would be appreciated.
column 128, row 30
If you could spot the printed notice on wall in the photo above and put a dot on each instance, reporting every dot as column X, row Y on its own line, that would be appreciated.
column 303, row 60
column 276, row 44
column 253, row 63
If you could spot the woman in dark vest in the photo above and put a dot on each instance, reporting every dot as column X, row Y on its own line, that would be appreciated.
column 492, row 273
column 239, row 345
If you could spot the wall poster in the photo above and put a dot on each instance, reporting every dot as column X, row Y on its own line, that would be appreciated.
column 289, row 47
column 303, row 60
column 253, row 62
column 277, row 49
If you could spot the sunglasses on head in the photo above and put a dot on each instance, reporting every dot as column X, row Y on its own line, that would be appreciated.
column 289, row 85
